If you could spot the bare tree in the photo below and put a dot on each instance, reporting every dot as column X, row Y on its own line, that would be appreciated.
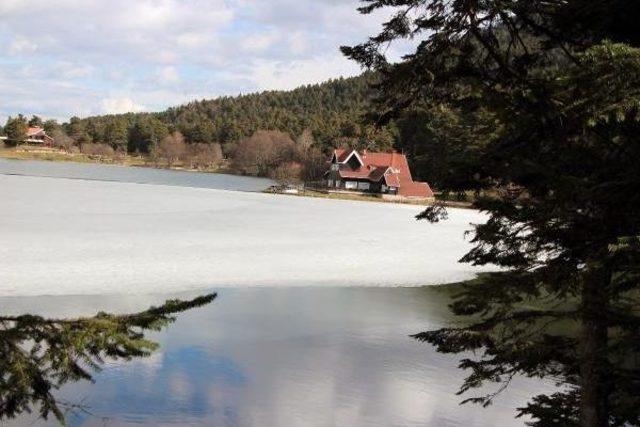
column 313, row 165
column 263, row 152
column 305, row 141
column 287, row 173
column 62, row 140
column 172, row 148
column 203, row 156
column 100, row 150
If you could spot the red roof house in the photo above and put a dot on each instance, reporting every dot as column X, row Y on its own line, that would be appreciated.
column 34, row 135
column 385, row 173
column 39, row 136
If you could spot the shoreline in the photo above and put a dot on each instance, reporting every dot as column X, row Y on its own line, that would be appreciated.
column 362, row 197
column 56, row 155
column 449, row 288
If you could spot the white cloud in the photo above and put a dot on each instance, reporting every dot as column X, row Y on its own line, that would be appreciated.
column 70, row 71
column 121, row 105
column 298, row 43
column 166, row 56
column 168, row 75
column 259, row 42
column 102, row 55
column 21, row 45
column 9, row 6
column 291, row 74
column 192, row 40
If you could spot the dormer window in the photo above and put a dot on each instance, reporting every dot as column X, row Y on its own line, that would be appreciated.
column 354, row 161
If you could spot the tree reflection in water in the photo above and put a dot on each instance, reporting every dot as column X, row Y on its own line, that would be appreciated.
column 38, row 355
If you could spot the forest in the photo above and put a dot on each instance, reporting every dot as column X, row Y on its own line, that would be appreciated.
column 537, row 104
column 272, row 133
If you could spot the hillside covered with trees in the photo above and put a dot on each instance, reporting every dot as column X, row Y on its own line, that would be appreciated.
column 307, row 122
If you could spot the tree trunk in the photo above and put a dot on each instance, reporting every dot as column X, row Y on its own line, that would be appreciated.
column 594, row 362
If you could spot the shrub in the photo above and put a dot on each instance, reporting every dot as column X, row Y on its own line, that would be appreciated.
column 100, row 150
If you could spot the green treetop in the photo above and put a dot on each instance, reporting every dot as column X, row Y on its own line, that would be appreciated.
column 39, row 355
column 36, row 121
column 16, row 129
column 551, row 92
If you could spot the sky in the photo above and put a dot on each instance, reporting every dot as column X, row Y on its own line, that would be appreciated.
column 63, row 58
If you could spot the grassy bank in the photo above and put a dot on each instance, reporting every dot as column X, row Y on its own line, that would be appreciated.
column 57, row 155
column 26, row 152
column 363, row 197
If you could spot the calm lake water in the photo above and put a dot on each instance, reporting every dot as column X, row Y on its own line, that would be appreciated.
column 297, row 336
column 282, row 357
column 138, row 175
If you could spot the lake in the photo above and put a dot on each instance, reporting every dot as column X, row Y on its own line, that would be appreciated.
column 140, row 175
column 86, row 235
column 317, row 298
column 304, row 356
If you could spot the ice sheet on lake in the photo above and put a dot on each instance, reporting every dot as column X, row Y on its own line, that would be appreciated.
column 61, row 236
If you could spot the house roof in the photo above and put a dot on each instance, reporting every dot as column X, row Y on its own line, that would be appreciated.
column 415, row 189
column 392, row 180
column 346, row 171
column 392, row 167
column 377, row 173
column 33, row 131
column 342, row 154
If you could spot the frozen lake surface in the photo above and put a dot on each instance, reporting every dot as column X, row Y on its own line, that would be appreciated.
column 331, row 349
column 73, row 236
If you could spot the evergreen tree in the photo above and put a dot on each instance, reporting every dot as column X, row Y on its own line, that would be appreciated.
column 146, row 134
column 50, row 126
column 116, row 133
column 321, row 108
column 39, row 355
column 16, row 130
column 77, row 129
column 444, row 143
column 558, row 164
column 36, row 122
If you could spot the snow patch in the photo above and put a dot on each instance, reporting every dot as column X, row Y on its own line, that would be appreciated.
column 61, row 237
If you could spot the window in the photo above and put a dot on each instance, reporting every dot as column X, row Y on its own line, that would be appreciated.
column 350, row 185
column 363, row 186
column 353, row 161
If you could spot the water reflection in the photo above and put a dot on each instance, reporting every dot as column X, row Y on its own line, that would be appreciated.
column 286, row 357
column 38, row 355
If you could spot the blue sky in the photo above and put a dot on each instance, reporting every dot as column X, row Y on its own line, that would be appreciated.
column 60, row 58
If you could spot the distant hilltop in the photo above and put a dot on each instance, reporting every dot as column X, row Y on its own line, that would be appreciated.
column 323, row 116
column 331, row 110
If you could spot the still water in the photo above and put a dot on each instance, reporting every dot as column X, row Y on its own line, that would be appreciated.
column 283, row 357
column 140, row 175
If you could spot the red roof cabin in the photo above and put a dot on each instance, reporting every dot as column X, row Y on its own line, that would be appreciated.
column 37, row 135
column 382, row 173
